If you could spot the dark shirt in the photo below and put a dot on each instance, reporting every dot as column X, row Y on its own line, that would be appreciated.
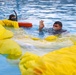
column 51, row 31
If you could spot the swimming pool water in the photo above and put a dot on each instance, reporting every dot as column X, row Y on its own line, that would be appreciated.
column 8, row 69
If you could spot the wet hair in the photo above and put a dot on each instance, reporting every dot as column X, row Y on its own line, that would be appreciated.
column 59, row 23
column 10, row 16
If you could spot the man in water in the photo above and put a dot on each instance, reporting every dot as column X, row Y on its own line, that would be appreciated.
column 55, row 30
column 13, row 17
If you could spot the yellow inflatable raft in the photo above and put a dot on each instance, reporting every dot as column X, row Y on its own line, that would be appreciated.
column 9, row 48
column 4, row 34
column 9, row 23
column 58, row 62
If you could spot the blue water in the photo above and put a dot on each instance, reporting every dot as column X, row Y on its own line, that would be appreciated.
column 33, row 11
column 8, row 69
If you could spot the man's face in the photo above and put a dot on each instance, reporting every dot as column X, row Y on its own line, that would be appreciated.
column 57, row 27
column 13, row 17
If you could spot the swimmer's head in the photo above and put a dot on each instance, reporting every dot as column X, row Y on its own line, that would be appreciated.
column 12, row 17
column 57, row 25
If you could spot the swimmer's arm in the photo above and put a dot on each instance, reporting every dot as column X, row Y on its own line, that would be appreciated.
column 16, row 15
column 46, row 29
column 41, row 25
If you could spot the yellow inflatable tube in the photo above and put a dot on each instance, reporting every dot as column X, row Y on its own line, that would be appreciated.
column 48, row 38
column 4, row 34
column 30, row 63
column 58, row 62
column 9, row 23
column 10, row 49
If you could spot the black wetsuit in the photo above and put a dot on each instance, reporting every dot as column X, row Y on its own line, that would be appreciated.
column 51, row 31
